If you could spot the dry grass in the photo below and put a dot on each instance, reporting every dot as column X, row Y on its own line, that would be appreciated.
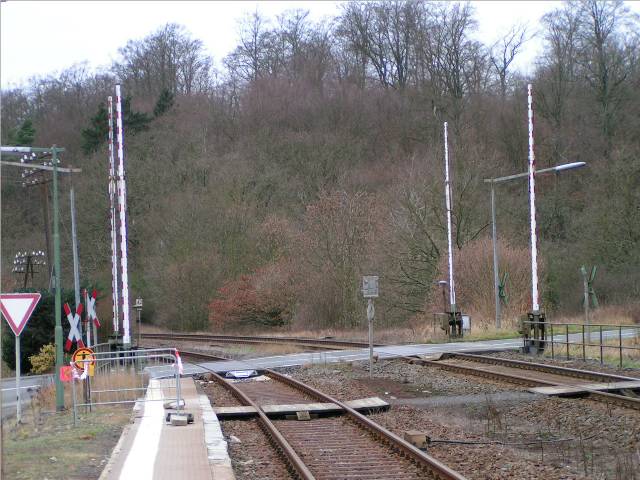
column 630, row 357
column 45, row 400
column 49, row 446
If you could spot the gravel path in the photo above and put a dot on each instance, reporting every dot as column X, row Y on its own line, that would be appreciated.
column 252, row 456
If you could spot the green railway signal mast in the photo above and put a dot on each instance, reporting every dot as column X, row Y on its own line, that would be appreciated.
column 50, row 162
column 590, row 297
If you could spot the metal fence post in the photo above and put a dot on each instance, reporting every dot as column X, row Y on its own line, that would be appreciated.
column 73, row 390
column 567, row 334
column 620, row 343
column 583, row 346
column 178, row 393
column 552, row 342
column 601, row 347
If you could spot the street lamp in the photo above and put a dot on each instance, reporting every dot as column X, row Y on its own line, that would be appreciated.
column 493, row 182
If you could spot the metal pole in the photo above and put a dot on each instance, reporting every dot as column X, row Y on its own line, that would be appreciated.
column 585, row 285
column 139, row 327
column 620, row 343
column 370, row 315
column 58, row 298
column 18, row 404
column 47, row 227
column 86, row 303
column 452, row 288
column 494, row 240
column 122, row 197
column 532, row 205
column 74, row 245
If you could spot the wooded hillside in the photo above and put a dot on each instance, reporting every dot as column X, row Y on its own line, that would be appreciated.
column 258, row 193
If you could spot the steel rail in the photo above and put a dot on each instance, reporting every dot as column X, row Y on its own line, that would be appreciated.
column 433, row 466
column 293, row 460
column 312, row 342
column 439, row 470
column 604, row 397
column 541, row 367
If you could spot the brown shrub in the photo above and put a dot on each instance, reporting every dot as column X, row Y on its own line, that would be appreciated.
column 473, row 270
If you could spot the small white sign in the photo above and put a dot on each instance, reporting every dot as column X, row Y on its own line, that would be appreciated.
column 466, row 323
column 370, row 286
column 371, row 311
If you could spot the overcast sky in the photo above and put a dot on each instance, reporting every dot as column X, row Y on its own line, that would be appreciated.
column 39, row 38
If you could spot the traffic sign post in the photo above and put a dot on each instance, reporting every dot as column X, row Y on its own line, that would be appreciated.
column 17, row 309
column 370, row 291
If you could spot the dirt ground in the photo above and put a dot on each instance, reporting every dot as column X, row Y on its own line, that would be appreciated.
column 48, row 447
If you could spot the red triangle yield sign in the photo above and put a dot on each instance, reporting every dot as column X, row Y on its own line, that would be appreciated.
column 17, row 308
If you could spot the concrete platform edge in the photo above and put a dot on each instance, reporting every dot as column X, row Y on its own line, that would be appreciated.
column 217, row 447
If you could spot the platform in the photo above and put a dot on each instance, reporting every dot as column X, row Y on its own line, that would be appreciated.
column 149, row 448
column 361, row 405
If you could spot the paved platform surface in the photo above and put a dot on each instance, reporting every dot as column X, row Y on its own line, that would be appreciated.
column 389, row 351
column 150, row 449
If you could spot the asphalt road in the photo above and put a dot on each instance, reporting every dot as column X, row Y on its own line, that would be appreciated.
column 335, row 356
column 28, row 387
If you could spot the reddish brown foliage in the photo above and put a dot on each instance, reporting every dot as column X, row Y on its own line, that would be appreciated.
column 261, row 298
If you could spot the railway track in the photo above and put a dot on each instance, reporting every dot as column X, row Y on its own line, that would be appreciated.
column 347, row 447
column 322, row 343
column 533, row 375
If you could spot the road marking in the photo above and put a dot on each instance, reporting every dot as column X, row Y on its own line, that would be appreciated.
column 141, row 458
column 35, row 387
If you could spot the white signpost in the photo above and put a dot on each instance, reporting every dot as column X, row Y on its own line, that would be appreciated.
column 370, row 291
column 16, row 309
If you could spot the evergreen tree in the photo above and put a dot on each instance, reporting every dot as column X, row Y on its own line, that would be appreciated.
column 164, row 103
column 23, row 136
column 98, row 131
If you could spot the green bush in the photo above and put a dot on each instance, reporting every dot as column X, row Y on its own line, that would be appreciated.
column 45, row 360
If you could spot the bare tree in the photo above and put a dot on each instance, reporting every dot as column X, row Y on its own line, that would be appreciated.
column 382, row 32
column 168, row 59
column 504, row 52
column 606, row 51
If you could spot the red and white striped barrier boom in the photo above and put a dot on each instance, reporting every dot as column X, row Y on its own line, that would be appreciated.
column 449, row 203
column 532, row 204
column 122, row 206
column 115, row 284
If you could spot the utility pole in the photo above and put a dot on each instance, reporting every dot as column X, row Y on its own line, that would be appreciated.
column 57, row 283
column 25, row 263
column 40, row 179
column 494, row 236
column 53, row 167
